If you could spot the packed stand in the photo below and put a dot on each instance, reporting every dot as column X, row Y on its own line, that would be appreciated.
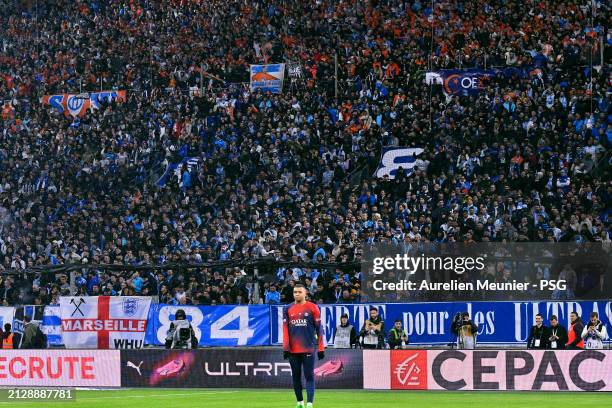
column 275, row 175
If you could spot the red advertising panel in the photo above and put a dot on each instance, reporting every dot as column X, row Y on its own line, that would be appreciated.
column 60, row 368
column 408, row 370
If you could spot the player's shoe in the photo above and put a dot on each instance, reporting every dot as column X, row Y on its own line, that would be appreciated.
column 172, row 368
column 309, row 405
column 332, row 367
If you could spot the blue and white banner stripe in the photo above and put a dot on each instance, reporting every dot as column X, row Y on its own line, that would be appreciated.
column 52, row 325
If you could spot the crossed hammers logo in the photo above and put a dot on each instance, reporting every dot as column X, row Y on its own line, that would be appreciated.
column 77, row 306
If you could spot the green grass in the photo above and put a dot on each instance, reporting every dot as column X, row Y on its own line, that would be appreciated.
column 222, row 398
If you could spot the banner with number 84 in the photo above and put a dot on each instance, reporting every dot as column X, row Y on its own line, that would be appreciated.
column 214, row 325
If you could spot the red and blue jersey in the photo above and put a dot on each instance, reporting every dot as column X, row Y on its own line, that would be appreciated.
column 302, row 331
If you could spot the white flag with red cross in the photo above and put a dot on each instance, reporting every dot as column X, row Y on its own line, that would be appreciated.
column 104, row 322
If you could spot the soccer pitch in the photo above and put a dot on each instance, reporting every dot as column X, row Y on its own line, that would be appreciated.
column 222, row 398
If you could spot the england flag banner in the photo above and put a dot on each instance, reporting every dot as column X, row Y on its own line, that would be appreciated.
column 104, row 322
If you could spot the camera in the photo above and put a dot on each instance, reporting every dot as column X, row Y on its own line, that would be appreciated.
column 184, row 335
column 458, row 320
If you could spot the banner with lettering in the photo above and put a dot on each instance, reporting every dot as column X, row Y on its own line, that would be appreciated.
column 488, row 370
column 104, row 322
column 430, row 323
column 214, row 325
column 78, row 104
column 472, row 81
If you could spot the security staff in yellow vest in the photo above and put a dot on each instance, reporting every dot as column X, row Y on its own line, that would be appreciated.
column 7, row 337
column 398, row 339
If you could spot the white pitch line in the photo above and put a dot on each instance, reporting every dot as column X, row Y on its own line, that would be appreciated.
column 158, row 395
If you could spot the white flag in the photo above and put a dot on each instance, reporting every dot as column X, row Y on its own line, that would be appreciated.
column 104, row 322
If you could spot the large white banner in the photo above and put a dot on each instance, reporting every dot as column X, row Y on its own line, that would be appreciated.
column 60, row 368
column 104, row 322
column 392, row 158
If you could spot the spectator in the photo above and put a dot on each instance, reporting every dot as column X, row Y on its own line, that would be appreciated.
column 7, row 337
column 574, row 333
column 346, row 296
column 398, row 339
column 373, row 331
column 137, row 282
column 345, row 335
column 594, row 333
column 194, row 167
column 539, row 334
column 558, row 335
column 287, row 292
column 33, row 337
column 272, row 296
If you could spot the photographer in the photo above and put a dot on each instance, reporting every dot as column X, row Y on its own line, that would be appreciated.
column 345, row 335
column 398, row 339
column 558, row 335
column 465, row 330
column 181, row 334
column 539, row 335
column 373, row 331
column 594, row 333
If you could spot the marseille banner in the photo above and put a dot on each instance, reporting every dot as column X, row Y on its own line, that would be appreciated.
column 214, row 325
column 78, row 104
column 430, row 323
column 104, row 322
column 499, row 370
column 267, row 78
column 393, row 158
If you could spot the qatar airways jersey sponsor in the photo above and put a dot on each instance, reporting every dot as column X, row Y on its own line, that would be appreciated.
column 298, row 322
column 104, row 322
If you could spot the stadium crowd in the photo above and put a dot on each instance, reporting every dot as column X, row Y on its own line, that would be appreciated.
column 289, row 175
